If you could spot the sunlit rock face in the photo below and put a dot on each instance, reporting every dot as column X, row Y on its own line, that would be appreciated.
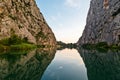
column 103, row 23
column 23, row 18
column 30, row 66
column 101, row 65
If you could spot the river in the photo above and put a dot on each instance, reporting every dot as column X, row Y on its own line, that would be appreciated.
column 66, row 64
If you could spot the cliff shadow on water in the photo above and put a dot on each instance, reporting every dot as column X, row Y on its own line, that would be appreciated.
column 101, row 65
column 26, row 66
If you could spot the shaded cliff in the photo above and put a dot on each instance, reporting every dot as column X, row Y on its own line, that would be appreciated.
column 103, row 23
column 23, row 18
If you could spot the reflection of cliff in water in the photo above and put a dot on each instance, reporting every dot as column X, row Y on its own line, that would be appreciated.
column 29, row 66
column 101, row 66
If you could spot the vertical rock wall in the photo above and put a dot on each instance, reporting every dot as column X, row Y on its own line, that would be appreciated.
column 103, row 23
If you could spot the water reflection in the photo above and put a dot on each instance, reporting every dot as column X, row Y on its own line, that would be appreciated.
column 67, row 65
column 100, row 65
column 25, row 65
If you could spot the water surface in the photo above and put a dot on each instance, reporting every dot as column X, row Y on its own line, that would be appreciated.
column 101, row 65
column 67, row 65
column 24, row 65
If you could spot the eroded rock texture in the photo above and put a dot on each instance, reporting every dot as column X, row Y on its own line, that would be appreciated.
column 23, row 18
column 103, row 24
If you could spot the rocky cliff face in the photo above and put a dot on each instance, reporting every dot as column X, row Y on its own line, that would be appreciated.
column 103, row 23
column 23, row 18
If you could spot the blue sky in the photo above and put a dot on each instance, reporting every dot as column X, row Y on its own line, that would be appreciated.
column 66, row 18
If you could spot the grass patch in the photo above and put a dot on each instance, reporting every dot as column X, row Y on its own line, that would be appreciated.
column 23, row 46
column 16, row 43
column 3, row 47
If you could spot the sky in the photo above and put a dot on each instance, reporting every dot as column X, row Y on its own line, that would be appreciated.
column 66, row 18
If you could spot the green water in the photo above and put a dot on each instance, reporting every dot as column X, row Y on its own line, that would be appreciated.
column 66, row 64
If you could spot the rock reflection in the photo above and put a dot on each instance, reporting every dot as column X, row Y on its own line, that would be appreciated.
column 101, row 66
column 28, row 66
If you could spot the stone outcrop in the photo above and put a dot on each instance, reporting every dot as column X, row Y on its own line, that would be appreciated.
column 103, row 23
column 23, row 18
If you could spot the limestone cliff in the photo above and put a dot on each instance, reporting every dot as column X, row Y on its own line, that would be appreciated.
column 23, row 18
column 103, row 23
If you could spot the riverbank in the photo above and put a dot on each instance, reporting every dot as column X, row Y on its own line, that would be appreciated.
column 22, row 46
column 16, row 43
column 61, row 45
column 101, row 46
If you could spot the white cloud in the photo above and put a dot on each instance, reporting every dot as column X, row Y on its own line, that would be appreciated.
column 73, row 3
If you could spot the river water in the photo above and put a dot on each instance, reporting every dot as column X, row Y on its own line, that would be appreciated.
column 66, row 64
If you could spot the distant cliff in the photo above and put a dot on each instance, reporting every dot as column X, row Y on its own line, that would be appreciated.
column 23, row 18
column 103, row 23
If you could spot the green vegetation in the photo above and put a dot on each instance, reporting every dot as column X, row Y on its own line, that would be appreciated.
column 62, row 45
column 101, row 47
column 23, row 46
column 94, row 46
column 16, row 43
column 88, row 46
